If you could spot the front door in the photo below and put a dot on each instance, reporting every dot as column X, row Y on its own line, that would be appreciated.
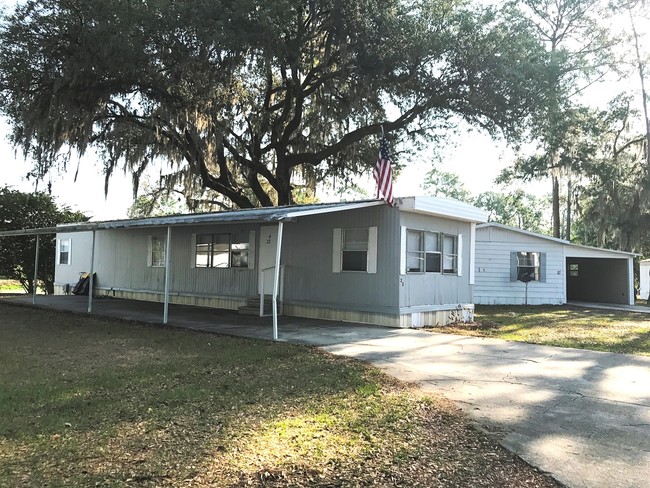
column 268, row 246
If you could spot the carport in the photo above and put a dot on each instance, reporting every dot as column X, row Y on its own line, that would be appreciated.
column 599, row 275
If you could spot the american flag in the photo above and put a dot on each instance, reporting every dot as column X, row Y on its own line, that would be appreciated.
column 383, row 173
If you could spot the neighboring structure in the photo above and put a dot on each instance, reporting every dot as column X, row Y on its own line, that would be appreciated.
column 560, row 271
column 644, row 279
column 402, row 266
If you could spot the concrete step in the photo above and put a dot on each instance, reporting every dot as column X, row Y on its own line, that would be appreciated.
column 246, row 310
column 252, row 306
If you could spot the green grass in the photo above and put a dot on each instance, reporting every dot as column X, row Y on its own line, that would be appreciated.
column 86, row 401
column 599, row 330
column 10, row 286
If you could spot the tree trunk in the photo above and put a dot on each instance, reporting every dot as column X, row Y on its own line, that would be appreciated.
column 556, row 206
column 568, row 211
column 644, row 94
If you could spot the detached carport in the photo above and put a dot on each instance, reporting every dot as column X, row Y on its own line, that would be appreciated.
column 599, row 275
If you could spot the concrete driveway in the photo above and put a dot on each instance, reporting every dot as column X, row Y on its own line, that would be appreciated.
column 582, row 416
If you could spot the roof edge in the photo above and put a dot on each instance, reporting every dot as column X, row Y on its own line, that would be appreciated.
column 564, row 242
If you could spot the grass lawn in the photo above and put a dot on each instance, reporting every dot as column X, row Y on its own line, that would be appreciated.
column 86, row 401
column 10, row 286
column 599, row 330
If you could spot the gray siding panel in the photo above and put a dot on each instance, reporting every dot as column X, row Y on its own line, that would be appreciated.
column 121, row 262
column 435, row 288
column 307, row 253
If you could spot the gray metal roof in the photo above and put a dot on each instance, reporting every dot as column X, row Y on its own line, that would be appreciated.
column 426, row 205
column 267, row 214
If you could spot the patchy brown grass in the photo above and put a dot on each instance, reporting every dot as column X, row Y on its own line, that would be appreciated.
column 582, row 328
column 86, row 401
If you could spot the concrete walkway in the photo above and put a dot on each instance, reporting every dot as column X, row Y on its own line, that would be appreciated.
column 612, row 306
column 582, row 416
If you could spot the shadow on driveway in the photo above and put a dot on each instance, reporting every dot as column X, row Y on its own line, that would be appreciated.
column 583, row 416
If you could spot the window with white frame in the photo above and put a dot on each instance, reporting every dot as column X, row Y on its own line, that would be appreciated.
column 432, row 254
column 354, row 250
column 528, row 266
column 423, row 252
column 221, row 251
column 157, row 248
column 414, row 252
column 449, row 254
column 63, row 256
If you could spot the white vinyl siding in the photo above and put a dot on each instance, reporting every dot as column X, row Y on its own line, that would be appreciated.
column 494, row 272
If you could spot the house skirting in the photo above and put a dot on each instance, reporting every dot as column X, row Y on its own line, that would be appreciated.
column 227, row 303
column 420, row 317
column 405, row 318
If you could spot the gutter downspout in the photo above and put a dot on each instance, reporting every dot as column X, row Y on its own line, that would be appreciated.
column 91, row 280
column 38, row 242
column 276, row 280
column 167, row 272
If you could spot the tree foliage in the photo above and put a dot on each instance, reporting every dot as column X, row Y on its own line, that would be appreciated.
column 21, row 211
column 614, row 204
column 580, row 49
column 444, row 184
column 515, row 208
column 251, row 99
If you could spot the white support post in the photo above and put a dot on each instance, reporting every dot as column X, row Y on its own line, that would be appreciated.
column 91, row 278
column 168, row 248
column 261, row 287
column 276, row 281
column 38, row 242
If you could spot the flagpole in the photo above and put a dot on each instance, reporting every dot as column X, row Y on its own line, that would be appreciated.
column 380, row 142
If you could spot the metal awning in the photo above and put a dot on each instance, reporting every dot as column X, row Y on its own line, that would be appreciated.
column 256, row 215
column 253, row 215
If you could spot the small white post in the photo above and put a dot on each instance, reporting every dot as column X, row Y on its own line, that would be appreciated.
column 261, row 287
column 91, row 279
column 168, row 247
column 276, row 281
column 38, row 242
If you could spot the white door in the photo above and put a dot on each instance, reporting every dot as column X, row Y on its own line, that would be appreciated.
column 268, row 246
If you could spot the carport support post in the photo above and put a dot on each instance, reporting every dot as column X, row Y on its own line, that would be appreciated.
column 276, row 281
column 167, row 271
column 91, row 280
column 38, row 242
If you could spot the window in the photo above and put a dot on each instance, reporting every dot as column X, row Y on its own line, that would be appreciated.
column 414, row 252
column 528, row 266
column 157, row 253
column 423, row 252
column 221, row 251
column 354, row 250
column 64, row 251
column 432, row 255
column 450, row 254
column 574, row 270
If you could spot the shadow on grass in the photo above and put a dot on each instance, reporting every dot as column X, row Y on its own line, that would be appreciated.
column 86, row 401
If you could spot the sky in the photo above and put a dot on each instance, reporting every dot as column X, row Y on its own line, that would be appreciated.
column 473, row 155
